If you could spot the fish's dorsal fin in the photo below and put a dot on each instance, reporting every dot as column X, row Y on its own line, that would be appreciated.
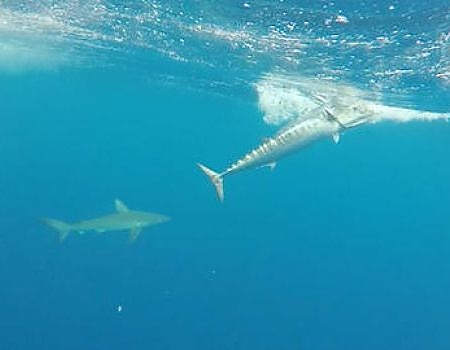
column 120, row 207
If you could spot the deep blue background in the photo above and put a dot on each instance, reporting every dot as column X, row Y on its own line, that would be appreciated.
column 340, row 247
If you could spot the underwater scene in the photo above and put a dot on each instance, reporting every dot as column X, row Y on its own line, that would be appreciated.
column 223, row 174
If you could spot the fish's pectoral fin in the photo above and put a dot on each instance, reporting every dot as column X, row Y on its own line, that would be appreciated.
column 134, row 233
column 336, row 137
column 271, row 165
column 120, row 206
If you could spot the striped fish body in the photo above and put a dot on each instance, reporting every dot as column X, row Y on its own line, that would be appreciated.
column 344, row 114
column 285, row 143
column 271, row 150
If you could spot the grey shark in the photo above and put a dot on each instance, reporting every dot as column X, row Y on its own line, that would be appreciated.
column 324, row 121
column 123, row 219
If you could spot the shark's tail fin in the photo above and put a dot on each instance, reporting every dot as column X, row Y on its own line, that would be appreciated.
column 216, row 179
column 61, row 227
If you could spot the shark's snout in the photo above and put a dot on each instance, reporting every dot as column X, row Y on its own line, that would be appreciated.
column 164, row 218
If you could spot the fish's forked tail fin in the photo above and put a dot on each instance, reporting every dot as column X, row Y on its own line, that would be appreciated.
column 216, row 179
column 61, row 227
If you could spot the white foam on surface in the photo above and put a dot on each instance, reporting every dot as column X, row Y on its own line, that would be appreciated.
column 284, row 99
column 227, row 47
column 34, row 40
column 281, row 104
column 403, row 115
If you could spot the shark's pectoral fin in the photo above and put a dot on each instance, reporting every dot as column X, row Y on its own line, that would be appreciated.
column 336, row 137
column 63, row 235
column 120, row 207
column 134, row 233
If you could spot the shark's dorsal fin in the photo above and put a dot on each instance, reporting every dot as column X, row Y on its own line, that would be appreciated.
column 120, row 207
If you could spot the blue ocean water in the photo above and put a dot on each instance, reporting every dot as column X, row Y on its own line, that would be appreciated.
column 340, row 247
